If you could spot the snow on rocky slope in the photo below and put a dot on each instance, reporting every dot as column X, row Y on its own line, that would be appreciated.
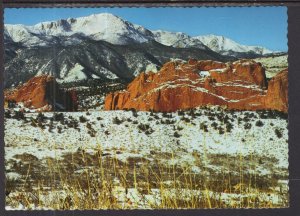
column 104, row 26
column 222, row 44
column 216, row 43
column 94, row 59
column 177, row 39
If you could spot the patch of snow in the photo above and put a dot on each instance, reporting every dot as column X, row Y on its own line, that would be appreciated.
column 151, row 67
column 95, row 76
column 204, row 73
column 75, row 74
column 219, row 70
column 12, row 175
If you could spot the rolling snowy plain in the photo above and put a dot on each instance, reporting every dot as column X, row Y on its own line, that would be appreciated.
column 202, row 158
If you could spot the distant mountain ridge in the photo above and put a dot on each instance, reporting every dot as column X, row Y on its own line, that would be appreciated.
column 115, row 30
column 104, row 46
column 223, row 45
column 105, row 26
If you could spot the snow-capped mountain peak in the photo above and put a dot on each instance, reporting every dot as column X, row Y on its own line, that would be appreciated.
column 104, row 26
column 115, row 30
column 177, row 39
column 222, row 44
column 88, row 25
column 16, row 32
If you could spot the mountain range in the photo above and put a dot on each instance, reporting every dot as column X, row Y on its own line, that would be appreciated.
column 104, row 46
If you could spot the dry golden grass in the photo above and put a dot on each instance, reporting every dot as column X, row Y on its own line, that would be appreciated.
column 83, row 180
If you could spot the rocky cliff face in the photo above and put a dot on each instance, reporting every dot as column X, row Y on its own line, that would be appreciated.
column 179, row 85
column 277, row 95
column 43, row 93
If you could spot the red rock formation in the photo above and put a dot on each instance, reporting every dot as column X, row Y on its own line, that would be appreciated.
column 207, row 65
column 43, row 92
column 243, row 70
column 241, row 85
column 277, row 96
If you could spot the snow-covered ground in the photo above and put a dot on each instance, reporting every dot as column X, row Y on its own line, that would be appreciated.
column 127, row 135
column 217, row 137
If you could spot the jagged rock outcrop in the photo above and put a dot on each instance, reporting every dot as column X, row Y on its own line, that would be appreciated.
column 243, row 70
column 43, row 93
column 239, row 85
column 277, row 95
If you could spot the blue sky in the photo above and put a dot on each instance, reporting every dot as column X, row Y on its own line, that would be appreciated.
column 264, row 26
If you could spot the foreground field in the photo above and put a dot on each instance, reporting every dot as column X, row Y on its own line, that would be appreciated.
column 203, row 158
